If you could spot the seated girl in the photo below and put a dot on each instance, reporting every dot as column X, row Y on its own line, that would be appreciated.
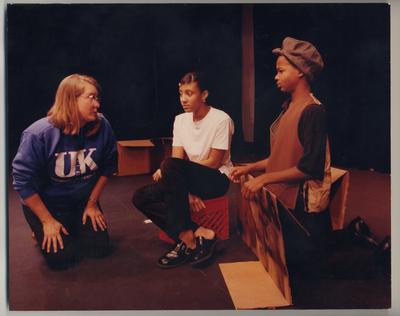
column 203, row 135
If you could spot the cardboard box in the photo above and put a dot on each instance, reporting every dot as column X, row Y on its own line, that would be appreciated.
column 261, row 231
column 134, row 157
column 265, row 283
column 251, row 286
column 214, row 216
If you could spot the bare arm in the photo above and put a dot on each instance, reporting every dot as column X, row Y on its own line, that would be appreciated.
column 251, row 187
column 214, row 159
column 98, row 188
column 35, row 203
column 92, row 210
column 178, row 152
column 259, row 165
column 242, row 170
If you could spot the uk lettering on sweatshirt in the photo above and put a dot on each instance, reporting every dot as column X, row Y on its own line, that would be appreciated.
column 74, row 163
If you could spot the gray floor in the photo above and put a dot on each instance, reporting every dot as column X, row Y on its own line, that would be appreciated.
column 130, row 279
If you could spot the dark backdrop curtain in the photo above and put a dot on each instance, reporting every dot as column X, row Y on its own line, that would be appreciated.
column 354, row 40
column 138, row 53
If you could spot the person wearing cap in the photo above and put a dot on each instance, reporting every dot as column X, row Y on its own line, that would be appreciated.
column 298, row 168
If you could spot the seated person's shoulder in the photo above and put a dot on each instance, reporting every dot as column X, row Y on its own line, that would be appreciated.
column 182, row 116
column 221, row 115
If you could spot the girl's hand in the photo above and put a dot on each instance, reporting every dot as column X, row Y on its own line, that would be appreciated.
column 251, row 188
column 52, row 235
column 196, row 203
column 237, row 172
column 157, row 175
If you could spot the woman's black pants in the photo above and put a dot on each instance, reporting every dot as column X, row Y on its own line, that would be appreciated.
column 82, row 240
column 166, row 202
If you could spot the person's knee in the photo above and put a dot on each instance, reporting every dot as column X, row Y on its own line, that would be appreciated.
column 98, row 246
column 142, row 196
column 63, row 258
column 94, row 244
column 169, row 164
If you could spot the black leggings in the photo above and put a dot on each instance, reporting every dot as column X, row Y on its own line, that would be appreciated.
column 305, row 247
column 82, row 240
column 166, row 202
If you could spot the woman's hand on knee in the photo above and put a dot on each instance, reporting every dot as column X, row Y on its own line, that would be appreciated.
column 157, row 175
column 52, row 235
column 196, row 203
column 96, row 217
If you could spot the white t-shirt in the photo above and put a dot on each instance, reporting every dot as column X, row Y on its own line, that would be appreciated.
column 197, row 138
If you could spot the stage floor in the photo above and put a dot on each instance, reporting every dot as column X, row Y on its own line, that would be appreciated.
column 130, row 280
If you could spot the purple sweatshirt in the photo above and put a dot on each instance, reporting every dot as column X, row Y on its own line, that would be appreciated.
column 62, row 169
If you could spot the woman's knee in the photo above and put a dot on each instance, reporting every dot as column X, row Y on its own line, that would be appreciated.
column 94, row 244
column 169, row 164
column 142, row 196
column 63, row 258
column 90, row 239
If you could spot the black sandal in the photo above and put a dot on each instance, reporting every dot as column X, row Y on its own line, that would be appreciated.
column 204, row 251
column 178, row 256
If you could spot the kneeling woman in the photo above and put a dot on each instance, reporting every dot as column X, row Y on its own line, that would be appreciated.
column 60, row 170
column 203, row 134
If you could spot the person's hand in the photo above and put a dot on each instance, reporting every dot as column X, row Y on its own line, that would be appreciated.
column 196, row 204
column 237, row 172
column 52, row 235
column 157, row 175
column 251, row 188
column 96, row 216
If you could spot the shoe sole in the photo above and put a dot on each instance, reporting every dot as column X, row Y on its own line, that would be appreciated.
column 194, row 264
column 162, row 266
column 171, row 266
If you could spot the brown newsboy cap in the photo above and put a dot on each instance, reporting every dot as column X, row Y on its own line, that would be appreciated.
column 301, row 54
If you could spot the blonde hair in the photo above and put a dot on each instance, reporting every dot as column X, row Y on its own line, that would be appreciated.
column 64, row 113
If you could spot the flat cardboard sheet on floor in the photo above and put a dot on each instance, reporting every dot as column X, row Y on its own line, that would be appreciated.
column 260, row 228
column 250, row 285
